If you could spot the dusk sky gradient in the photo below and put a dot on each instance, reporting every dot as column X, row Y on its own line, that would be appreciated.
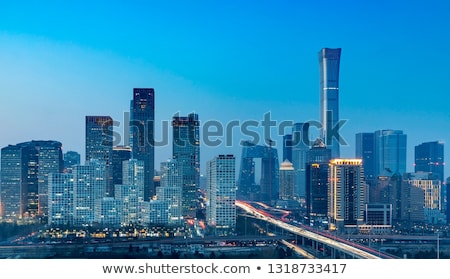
column 225, row 60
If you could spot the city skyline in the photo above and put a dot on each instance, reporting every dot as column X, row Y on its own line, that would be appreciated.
column 265, row 60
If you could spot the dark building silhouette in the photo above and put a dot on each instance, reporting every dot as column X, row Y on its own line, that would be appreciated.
column 318, row 157
column 142, row 125
column 329, row 61
column 186, row 150
column 268, row 189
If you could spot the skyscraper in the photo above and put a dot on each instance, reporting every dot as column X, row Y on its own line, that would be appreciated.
column 89, row 185
column 170, row 190
column 61, row 203
column 99, row 145
column 300, row 148
column 286, row 181
column 221, row 194
column 390, row 152
column 131, row 192
column 268, row 188
column 318, row 157
column 142, row 118
column 329, row 61
column 429, row 157
column 25, row 168
column 120, row 154
column 186, row 150
column 364, row 149
column 346, row 196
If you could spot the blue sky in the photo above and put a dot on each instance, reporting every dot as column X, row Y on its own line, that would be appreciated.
column 225, row 60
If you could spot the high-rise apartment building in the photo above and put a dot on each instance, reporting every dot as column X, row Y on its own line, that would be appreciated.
column 186, row 151
column 99, row 145
column 346, row 194
column 142, row 118
column 170, row 190
column 61, row 203
column 221, row 194
column 89, row 185
column 329, row 62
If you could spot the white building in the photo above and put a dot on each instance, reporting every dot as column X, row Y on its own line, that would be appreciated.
column 221, row 194
column 60, row 199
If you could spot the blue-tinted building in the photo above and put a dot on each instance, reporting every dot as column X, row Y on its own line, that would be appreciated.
column 429, row 157
column 390, row 152
column 186, row 151
column 329, row 61
column 268, row 188
column 142, row 125
column 99, row 145
column 364, row 149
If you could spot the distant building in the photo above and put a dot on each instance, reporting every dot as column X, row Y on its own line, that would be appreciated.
column 89, row 186
column 131, row 192
column 299, row 157
column 286, row 181
column 429, row 158
column 432, row 202
column 268, row 188
column 287, row 147
column 108, row 211
column 24, row 174
column 119, row 154
column 365, row 150
column 317, row 165
column 221, row 195
column 99, row 145
column 71, row 158
column 61, row 199
column 186, row 150
column 170, row 191
column 390, row 152
column 329, row 62
column 142, row 126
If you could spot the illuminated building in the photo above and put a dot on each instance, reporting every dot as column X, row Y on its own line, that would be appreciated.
column 286, row 181
column 221, row 195
column 329, row 61
column 346, row 194
column 186, row 150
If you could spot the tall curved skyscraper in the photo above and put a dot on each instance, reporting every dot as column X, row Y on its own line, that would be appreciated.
column 329, row 60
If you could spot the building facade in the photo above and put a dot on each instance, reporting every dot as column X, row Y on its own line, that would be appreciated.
column 346, row 192
column 329, row 63
column 142, row 125
column 186, row 150
column 221, row 195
